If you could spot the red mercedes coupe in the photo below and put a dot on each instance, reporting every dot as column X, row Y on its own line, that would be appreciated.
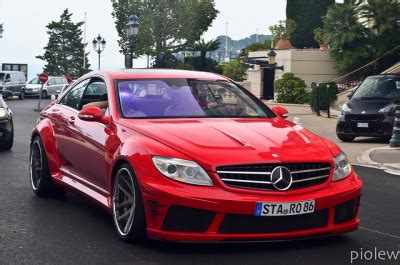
column 191, row 156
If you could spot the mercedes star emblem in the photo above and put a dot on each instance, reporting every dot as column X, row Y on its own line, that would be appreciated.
column 281, row 178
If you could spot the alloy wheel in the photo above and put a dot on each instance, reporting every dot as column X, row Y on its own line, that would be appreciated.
column 36, row 165
column 124, row 202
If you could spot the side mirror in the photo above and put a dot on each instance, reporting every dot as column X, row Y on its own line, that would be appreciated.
column 7, row 81
column 91, row 114
column 350, row 94
column 281, row 112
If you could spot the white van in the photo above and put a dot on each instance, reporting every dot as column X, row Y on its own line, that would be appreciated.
column 12, row 83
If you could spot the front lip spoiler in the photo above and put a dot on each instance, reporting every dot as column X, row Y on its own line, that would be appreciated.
column 295, row 239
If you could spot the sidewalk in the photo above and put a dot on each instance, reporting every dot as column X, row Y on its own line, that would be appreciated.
column 383, row 157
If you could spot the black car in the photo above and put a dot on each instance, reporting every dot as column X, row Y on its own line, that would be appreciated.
column 370, row 110
column 6, row 127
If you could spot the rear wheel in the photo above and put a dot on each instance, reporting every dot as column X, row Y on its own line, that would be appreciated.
column 128, row 211
column 39, row 172
column 44, row 94
column 346, row 138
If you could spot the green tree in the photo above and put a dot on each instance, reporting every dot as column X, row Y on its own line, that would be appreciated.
column 235, row 70
column 165, row 25
column 203, row 47
column 64, row 51
column 291, row 89
column 358, row 34
column 258, row 46
column 307, row 14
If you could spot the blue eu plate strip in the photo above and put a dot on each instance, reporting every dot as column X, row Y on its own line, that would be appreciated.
column 258, row 208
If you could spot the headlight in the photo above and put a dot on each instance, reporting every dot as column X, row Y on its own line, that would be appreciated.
column 346, row 108
column 3, row 113
column 342, row 167
column 389, row 109
column 182, row 170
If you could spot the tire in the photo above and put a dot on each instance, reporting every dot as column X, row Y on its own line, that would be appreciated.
column 22, row 95
column 44, row 94
column 346, row 139
column 9, row 144
column 386, row 139
column 39, row 172
column 127, row 206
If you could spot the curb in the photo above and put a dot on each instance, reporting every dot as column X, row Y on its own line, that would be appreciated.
column 285, row 104
column 365, row 159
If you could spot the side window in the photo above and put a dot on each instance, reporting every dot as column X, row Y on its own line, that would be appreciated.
column 74, row 96
column 51, row 82
column 96, row 89
column 8, row 78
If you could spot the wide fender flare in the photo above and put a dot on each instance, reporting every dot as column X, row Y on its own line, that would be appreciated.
column 46, row 132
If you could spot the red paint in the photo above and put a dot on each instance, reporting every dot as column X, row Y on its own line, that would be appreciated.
column 43, row 77
column 82, row 156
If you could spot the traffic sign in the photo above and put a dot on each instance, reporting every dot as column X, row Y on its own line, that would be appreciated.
column 43, row 77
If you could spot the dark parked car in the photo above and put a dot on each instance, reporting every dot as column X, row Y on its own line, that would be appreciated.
column 6, row 127
column 370, row 110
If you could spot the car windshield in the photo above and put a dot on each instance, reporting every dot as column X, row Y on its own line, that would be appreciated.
column 174, row 98
column 35, row 81
column 374, row 88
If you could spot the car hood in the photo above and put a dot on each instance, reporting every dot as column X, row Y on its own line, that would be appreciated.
column 214, row 142
column 367, row 106
column 32, row 86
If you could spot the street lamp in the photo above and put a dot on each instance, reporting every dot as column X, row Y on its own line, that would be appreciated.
column 132, row 30
column 271, row 57
column 1, row 30
column 99, row 44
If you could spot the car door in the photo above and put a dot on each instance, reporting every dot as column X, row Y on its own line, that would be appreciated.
column 51, row 86
column 83, row 143
column 63, row 115
column 94, row 136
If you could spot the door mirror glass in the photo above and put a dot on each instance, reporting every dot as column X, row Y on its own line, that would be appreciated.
column 91, row 114
column 281, row 112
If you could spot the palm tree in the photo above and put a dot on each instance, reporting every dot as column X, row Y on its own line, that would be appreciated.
column 203, row 47
column 383, row 14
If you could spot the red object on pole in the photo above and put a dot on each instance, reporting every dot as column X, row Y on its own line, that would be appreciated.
column 43, row 77
column 69, row 78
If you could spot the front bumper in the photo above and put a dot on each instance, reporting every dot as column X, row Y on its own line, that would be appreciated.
column 5, row 130
column 176, row 212
column 378, row 126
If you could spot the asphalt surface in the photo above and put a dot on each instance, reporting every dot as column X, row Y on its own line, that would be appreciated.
column 73, row 230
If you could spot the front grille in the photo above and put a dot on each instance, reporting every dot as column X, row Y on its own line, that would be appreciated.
column 258, row 176
column 365, row 117
column 185, row 219
column 245, row 223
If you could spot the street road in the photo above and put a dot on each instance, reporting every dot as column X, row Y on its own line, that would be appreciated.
column 74, row 231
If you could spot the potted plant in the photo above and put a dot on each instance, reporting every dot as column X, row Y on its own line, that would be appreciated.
column 282, row 32
column 320, row 36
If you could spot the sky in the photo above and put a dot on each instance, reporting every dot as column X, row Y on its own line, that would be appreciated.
column 25, row 27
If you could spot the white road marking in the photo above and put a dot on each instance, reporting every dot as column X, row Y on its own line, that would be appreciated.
column 378, row 232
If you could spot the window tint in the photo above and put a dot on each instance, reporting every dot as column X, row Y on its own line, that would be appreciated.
column 73, row 98
column 377, row 89
column 97, row 88
column 168, row 98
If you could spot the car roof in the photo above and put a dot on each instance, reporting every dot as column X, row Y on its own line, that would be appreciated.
column 384, row 76
column 157, row 73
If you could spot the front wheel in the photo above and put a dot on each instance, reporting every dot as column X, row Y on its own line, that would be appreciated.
column 39, row 171
column 128, row 211
column 346, row 138
column 22, row 95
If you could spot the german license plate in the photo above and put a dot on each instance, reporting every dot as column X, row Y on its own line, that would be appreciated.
column 283, row 209
column 362, row 125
